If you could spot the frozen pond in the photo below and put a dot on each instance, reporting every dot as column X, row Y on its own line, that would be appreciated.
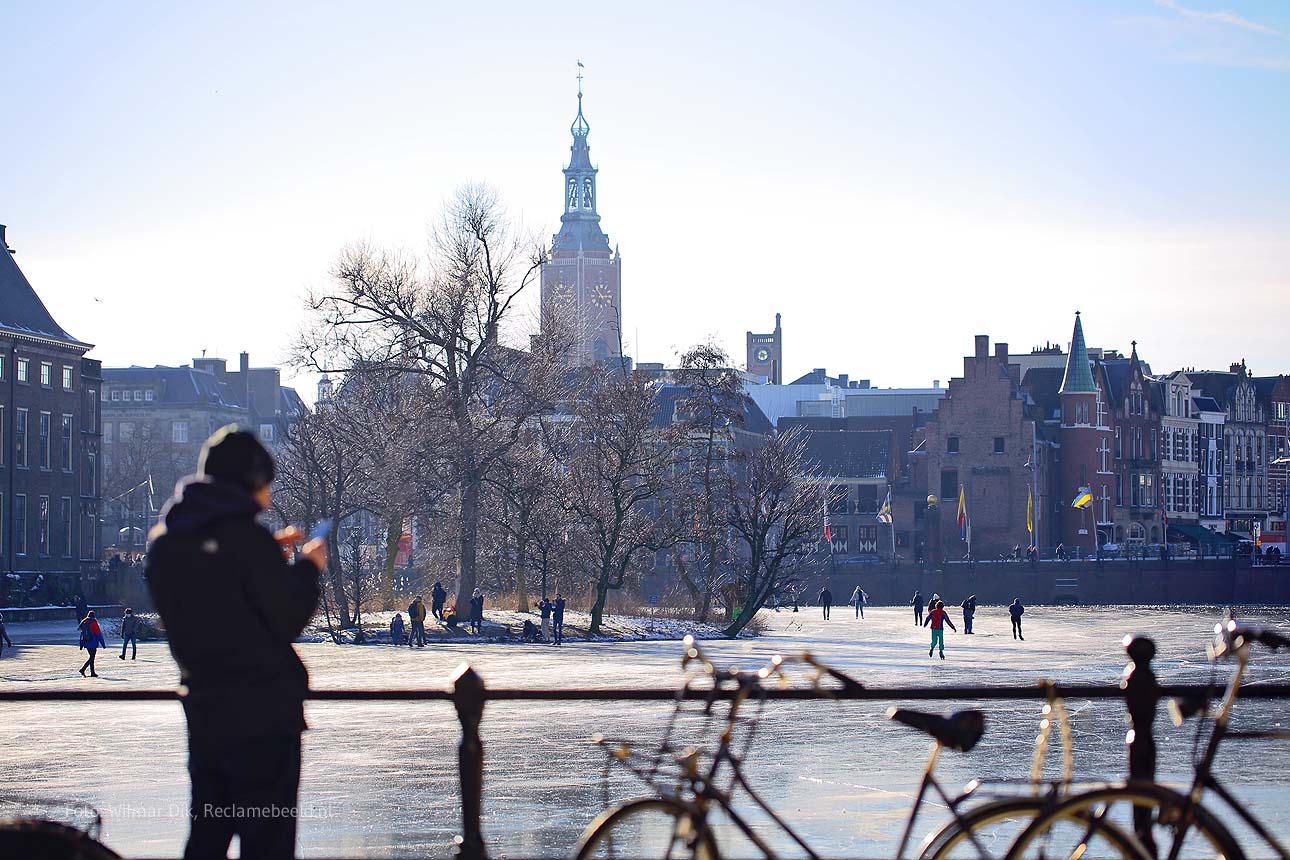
column 379, row 779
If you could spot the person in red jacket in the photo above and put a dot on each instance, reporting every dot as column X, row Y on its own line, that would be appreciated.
column 938, row 618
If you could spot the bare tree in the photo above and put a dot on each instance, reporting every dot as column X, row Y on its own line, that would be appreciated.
column 141, row 469
column 709, row 413
column 775, row 506
column 384, row 313
column 618, row 469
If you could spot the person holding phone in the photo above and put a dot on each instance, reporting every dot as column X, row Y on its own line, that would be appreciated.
column 209, row 558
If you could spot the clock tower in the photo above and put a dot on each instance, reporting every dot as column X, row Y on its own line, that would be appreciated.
column 581, row 282
column 766, row 354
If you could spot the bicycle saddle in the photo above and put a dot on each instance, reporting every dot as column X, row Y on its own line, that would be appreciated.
column 959, row 731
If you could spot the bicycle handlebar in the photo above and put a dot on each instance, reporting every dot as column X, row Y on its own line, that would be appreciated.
column 1230, row 637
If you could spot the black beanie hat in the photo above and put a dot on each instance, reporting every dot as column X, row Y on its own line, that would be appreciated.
column 236, row 456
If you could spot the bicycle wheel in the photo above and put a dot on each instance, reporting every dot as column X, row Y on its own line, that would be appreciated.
column 1072, row 827
column 996, row 824
column 648, row 827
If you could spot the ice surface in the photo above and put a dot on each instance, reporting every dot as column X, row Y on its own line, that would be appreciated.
column 379, row 779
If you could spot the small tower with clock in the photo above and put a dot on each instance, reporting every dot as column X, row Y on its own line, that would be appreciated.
column 766, row 354
column 581, row 283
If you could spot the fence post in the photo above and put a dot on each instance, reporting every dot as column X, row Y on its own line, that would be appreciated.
column 1141, row 699
column 468, row 696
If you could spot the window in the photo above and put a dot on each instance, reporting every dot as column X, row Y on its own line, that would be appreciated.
column 20, row 440
column 67, row 443
column 20, row 524
column 179, row 432
column 138, row 396
column 91, row 412
column 2, row 372
column 91, row 473
column 42, row 440
column 1000, row 444
column 67, row 378
column 2, row 447
column 46, row 374
column 22, row 372
column 951, row 444
column 65, row 545
column 125, row 431
column 1119, row 491
column 87, row 534
column 949, row 485
column 1119, row 448
column 107, row 433
column 266, row 432
column 116, row 395
column 839, row 543
column 148, row 395
column 42, row 525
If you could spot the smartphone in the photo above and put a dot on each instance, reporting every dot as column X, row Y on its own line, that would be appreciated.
column 321, row 530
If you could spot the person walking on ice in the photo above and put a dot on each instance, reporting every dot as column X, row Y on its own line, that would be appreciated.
column 918, row 608
column 557, row 618
column 938, row 618
column 1016, row 610
column 858, row 600
column 969, row 612
column 129, row 633
column 91, row 640
column 4, row 636
column 826, row 601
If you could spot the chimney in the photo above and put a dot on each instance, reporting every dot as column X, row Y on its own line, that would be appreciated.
column 1001, row 352
column 982, row 345
column 863, row 384
column 843, row 379
column 1235, row 368
column 2, row 241
column 936, row 384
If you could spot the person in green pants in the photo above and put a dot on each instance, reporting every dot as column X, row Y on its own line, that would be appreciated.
column 938, row 618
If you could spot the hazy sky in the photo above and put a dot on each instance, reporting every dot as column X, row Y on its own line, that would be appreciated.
column 894, row 178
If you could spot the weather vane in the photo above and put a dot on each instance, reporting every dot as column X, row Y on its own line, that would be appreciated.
column 580, row 68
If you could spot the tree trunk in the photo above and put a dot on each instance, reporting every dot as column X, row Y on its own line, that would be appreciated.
column 468, row 540
column 521, row 572
column 336, row 577
column 598, row 606
column 393, row 534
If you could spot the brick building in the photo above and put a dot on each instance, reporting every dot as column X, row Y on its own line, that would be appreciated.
column 49, row 447
column 765, row 354
column 1274, row 395
column 984, row 439
column 1135, row 419
column 1245, row 449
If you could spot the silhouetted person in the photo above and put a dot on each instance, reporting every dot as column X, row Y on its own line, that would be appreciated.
column 129, row 633
column 417, row 618
column 1016, row 610
column 232, row 605
column 82, row 608
column 4, row 636
column 826, row 601
column 477, row 611
column 437, row 598
column 557, row 618
column 969, row 612
column 917, row 603
column 396, row 629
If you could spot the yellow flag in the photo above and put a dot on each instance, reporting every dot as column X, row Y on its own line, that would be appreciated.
column 1030, row 511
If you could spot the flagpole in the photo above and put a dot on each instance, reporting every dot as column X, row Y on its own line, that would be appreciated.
column 891, row 521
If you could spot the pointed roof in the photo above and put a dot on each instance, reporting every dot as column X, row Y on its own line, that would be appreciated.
column 1079, row 377
column 22, row 312
column 580, row 224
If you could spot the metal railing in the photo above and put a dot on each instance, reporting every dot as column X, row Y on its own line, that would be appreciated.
column 469, row 696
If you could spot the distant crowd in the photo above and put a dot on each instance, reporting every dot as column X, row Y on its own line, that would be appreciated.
column 413, row 632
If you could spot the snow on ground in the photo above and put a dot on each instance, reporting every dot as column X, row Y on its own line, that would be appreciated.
column 379, row 778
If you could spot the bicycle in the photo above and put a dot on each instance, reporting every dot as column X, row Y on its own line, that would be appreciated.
column 1158, row 813
column 677, row 820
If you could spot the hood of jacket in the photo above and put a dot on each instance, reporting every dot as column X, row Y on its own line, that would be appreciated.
column 199, row 503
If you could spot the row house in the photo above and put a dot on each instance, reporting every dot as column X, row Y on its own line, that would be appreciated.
column 1135, row 419
column 1274, row 395
column 1245, row 447
column 49, row 447
column 1180, row 477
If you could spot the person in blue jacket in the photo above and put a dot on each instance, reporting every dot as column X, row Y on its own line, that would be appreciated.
column 91, row 640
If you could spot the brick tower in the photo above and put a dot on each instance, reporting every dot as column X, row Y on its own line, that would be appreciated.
column 581, row 285
column 1086, row 463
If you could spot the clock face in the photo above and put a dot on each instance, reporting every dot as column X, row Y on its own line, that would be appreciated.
column 561, row 293
column 600, row 296
column 762, row 355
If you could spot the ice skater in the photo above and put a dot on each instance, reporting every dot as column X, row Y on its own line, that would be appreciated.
column 437, row 598
column 1016, row 610
column 969, row 612
column 396, row 629
column 858, row 599
column 129, row 634
column 477, row 611
column 938, row 618
column 4, row 636
column 918, row 608
column 826, row 601
column 91, row 640
column 557, row 618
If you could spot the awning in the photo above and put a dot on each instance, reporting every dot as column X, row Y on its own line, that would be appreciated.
column 1201, row 535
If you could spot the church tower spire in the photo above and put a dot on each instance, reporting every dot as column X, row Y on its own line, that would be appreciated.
column 581, row 281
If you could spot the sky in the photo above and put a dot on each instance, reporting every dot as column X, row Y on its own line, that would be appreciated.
column 894, row 178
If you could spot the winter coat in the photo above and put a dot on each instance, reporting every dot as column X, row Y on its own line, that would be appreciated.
column 416, row 611
column 826, row 597
column 92, row 634
column 232, row 607
column 129, row 626
column 918, row 599
column 438, row 596
column 477, row 608
column 557, row 610
column 545, row 609
column 1016, row 610
column 396, row 630
column 969, row 606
